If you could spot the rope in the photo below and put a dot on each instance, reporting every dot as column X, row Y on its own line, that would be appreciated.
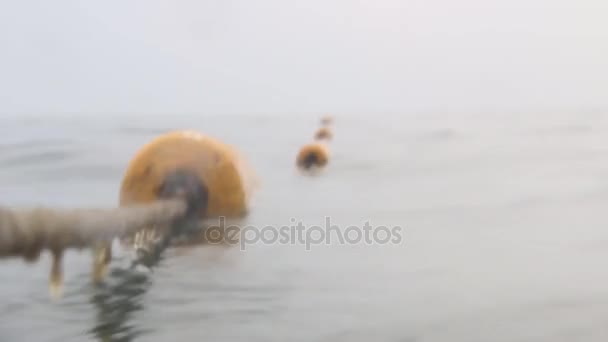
column 27, row 232
column 23, row 233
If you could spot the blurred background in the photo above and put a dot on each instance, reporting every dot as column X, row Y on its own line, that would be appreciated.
column 283, row 57
column 477, row 126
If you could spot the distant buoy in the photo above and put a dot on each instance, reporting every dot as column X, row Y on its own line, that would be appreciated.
column 314, row 155
column 324, row 133
column 327, row 120
column 209, row 174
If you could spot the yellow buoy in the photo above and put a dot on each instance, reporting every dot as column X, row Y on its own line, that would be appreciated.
column 314, row 155
column 210, row 174
column 324, row 133
column 175, row 156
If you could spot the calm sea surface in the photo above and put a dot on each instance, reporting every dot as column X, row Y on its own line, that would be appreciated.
column 503, row 217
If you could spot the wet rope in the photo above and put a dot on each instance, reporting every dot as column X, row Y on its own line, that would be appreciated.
column 26, row 233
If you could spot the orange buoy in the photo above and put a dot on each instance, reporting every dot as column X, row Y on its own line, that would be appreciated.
column 193, row 159
column 324, row 133
column 327, row 120
column 211, row 175
column 314, row 155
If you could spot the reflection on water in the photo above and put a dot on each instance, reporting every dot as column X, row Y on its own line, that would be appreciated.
column 120, row 295
column 116, row 301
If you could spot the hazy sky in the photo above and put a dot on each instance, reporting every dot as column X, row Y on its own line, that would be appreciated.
column 292, row 56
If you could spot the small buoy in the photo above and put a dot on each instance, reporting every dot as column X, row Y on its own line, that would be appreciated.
column 327, row 120
column 314, row 155
column 209, row 174
column 324, row 133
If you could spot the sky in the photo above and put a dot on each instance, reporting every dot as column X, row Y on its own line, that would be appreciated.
column 302, row 56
